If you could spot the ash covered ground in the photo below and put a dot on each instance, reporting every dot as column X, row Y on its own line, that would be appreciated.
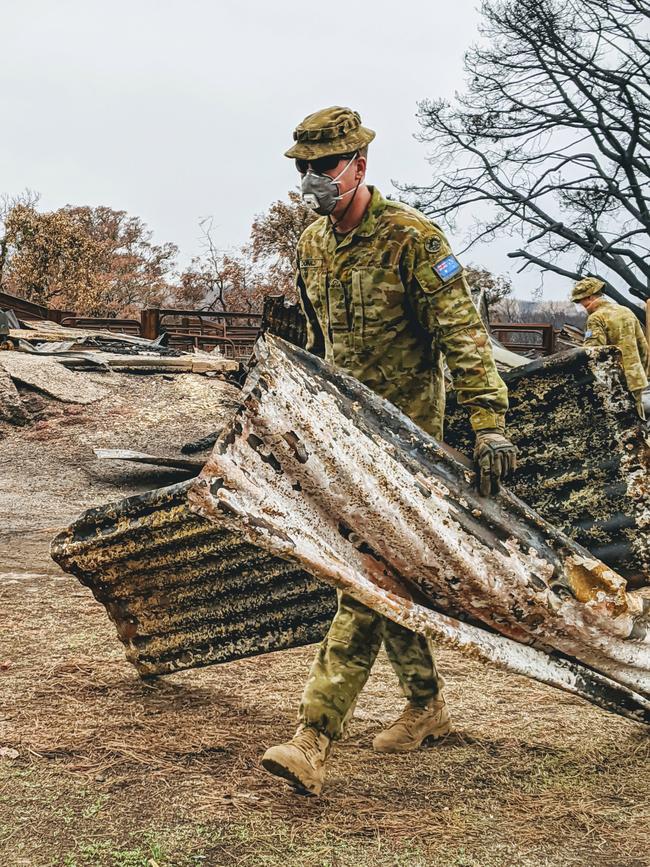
column 98, row 767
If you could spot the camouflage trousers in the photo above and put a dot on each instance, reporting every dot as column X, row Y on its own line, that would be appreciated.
column 347, row 654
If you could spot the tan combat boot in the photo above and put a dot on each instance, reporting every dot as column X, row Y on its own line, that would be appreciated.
column 301, row 761
column 415, row 724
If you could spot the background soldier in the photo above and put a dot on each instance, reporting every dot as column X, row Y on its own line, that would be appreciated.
column 384, row 298
column 610, row 324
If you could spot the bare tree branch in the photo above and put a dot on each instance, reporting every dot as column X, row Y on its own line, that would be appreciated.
column 552, row 133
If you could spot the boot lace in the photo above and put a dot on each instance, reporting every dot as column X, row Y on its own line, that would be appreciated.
column 410, row 715
column 308, row 742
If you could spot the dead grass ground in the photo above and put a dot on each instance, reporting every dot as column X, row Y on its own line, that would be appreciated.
column 117, row 772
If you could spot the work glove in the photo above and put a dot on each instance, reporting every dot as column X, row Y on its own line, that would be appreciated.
column 495, row 458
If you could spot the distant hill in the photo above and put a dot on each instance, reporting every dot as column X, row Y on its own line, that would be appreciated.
column 556, row 312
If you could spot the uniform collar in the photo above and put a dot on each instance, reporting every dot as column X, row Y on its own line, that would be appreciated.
column 601, row 303
column 368, row 226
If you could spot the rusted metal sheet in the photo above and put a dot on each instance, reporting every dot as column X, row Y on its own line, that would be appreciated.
column 584, row 459
column 318, row 470
column 183, row 592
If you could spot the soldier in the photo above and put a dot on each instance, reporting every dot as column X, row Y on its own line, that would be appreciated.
column 610, row 324
column 384, row 298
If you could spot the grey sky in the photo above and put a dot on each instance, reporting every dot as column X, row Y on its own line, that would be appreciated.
column 176, row 111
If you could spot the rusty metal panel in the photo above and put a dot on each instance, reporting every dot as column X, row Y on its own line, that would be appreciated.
column 318, row 470
column 584, row 459
column 183, row 592
column 331, row 481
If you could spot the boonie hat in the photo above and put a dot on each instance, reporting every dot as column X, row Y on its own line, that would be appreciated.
column 330, row 131
column 586, row 287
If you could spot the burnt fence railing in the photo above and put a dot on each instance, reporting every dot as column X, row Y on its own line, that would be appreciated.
column 235, row 332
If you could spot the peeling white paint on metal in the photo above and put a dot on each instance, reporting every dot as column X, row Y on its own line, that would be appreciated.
column 353, row 478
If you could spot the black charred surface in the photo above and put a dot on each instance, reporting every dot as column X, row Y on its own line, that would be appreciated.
column 182, row 592
column 284, row 320
column 201, row 445
column 580, row 444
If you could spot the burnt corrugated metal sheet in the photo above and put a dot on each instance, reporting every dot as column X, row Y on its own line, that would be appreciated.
column 584, row 460
column 183, row 592
column 318, row 470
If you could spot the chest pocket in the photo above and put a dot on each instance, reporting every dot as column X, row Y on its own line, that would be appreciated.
column 378, row 304
column 338, row 301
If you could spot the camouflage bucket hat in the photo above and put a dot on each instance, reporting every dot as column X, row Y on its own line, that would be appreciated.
column 333, row 130
column 585, row 288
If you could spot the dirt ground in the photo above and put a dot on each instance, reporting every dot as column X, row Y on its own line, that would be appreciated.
column 98, row 767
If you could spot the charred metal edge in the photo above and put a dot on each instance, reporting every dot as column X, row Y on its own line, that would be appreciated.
column 183, row 593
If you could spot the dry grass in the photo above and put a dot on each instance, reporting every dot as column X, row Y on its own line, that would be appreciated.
column 117, row 772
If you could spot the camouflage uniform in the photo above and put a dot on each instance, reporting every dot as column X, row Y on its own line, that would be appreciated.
column 614, row 325
column 385, row 303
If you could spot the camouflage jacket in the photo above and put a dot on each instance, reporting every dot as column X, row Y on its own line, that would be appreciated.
column 613, row 325
column 386, row 302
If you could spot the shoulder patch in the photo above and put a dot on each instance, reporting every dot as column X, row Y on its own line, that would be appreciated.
column 433, row 244
column 448, row 267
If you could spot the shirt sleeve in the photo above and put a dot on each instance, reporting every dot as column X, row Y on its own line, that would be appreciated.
column 642, row 344
column 595, row 331
column 444, row 307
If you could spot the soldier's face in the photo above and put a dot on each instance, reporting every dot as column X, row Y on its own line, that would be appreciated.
column 588, row 303
column 348, row 181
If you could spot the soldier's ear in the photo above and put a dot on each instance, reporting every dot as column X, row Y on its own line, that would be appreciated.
column 360, row 168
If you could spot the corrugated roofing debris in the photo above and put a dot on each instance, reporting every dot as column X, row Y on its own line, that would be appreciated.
column 50, row 377
column 48, row 357
column 330, row 480
column 317, row 469
column 584, row 458
column 184, row 593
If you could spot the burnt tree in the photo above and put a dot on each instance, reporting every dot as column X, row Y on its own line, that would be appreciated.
column 550, row 143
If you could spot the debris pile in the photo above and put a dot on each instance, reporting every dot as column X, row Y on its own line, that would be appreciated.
column 50, row 358
column 316, row 476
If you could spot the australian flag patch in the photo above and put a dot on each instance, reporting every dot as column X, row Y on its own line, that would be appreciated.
column 448, row 267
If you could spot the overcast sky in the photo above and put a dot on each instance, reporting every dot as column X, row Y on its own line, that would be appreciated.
column 176, row 111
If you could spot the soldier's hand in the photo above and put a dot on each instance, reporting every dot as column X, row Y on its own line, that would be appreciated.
column 496, row 459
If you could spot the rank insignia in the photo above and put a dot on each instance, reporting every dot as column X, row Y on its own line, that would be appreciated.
column 433, row 245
